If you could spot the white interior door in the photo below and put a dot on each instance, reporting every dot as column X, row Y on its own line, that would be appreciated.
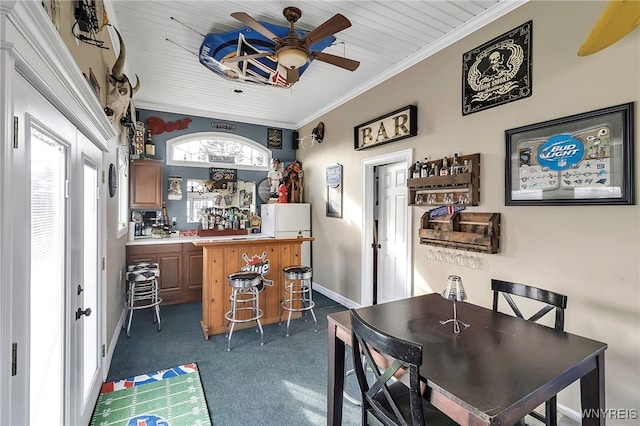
column 57, row 241
column 392, row 233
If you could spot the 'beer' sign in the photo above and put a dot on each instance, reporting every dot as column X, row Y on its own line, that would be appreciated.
column 396, row 125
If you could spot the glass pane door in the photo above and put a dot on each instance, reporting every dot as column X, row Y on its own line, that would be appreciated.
column 48, row 276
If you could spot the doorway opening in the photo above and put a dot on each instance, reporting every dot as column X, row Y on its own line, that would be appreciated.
column 372, row 227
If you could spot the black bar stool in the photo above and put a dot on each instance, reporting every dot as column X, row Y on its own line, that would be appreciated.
column 142, row 291
column 245, row 296
column 298, row 296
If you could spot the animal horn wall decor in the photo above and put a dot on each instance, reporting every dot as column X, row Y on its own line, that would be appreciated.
column 120, row 89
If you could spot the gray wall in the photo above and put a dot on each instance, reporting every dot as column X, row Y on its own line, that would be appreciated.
column 178, row 208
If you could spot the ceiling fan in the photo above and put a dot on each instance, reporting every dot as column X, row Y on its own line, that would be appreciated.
column 618, row 19
column 292, row 51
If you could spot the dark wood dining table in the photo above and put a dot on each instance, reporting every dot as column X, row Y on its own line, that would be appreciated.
column 492, row 373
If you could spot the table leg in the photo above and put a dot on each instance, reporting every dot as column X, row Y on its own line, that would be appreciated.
column 335, row 377
column 592, row 394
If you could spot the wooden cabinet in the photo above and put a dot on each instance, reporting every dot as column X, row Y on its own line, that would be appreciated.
column 462, row 188
column 180, row 269
column 192, row 272
column 145, row 184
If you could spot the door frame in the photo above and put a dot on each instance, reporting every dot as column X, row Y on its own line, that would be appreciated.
column 368, row 199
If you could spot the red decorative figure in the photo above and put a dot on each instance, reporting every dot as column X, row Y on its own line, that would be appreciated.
column 282, row 193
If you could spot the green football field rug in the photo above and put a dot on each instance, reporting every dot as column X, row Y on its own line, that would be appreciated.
column 169, row 397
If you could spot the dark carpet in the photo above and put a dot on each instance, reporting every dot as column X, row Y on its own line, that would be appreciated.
column 281, row 383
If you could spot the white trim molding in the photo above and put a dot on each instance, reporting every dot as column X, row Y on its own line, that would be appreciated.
column 368, row 196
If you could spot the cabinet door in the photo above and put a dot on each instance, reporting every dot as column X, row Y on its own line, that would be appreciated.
column 145, row 189
column 193, row 271
column 170, row 277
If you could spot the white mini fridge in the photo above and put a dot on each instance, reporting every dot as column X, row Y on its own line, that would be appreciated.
column 288, row 220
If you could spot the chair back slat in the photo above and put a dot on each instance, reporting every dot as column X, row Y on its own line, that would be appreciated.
column 378, row 398
column 552, row 300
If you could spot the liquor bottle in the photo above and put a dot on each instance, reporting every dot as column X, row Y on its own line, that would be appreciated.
column 416, row 170
column 149, row 147
column 444, row 170
column 466, row 168
column 424, row 171
column 455, row 166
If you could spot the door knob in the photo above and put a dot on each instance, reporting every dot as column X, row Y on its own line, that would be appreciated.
column 80, row 313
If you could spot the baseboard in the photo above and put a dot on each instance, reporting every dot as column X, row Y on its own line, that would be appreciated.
column 106, row 363
column 335, row 296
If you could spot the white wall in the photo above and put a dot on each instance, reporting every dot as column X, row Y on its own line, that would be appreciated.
column 589, row 253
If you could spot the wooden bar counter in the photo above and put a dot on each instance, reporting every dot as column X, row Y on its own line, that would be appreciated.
column 222, row 257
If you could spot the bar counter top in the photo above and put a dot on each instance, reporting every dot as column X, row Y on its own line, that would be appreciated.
column 196, row 240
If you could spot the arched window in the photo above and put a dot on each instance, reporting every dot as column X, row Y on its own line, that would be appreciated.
column 217, row 149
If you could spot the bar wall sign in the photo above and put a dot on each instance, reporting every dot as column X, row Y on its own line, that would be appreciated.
column 397, row 125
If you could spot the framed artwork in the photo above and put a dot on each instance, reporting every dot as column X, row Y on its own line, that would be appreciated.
column 334, row 190
column 274, row 138
column 581, row 159
column 498, row 72
column 174, row 188
column 397, row 125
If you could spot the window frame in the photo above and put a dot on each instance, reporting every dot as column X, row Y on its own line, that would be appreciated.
column 122, row 163
column 217, row 135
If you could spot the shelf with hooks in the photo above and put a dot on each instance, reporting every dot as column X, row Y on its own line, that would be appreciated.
column 463, row 231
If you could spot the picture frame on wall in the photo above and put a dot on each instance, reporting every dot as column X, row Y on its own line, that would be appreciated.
column 274, row 138
column 581, row 159
column 499, row 71
column 334, row 190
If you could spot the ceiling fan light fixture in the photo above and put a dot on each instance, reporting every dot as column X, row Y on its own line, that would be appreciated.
column 292, row 58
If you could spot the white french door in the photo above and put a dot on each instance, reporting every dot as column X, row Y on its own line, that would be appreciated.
column 85, row 329
column 57, row 322
column 392, row 233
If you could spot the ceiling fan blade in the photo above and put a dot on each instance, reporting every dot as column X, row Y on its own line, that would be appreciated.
column 339, row 61
column 293, row 75
column 250, row 22
column 246, row 57
column 324, row 30
column 618, row 19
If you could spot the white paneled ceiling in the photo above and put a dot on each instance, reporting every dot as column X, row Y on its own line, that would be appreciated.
column 386, row 37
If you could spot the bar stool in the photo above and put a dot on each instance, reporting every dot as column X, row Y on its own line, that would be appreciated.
column 297, row 293
column 142, row 291
column 245, row 296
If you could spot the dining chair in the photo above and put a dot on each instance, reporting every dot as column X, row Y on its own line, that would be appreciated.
column 551, row 301
column 388, row 401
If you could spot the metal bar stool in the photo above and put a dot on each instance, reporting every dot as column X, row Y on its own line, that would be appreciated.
column 298, row 296
column 245, row 296
column 142, row 291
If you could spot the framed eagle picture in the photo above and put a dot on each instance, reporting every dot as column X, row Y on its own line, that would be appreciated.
column 498, row 72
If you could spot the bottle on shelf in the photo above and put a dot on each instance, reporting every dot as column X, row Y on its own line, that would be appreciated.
column 466, row 168
column 444, row 170
column 149, row 147
column 416, row 170
column 424, row 170
column 455, row 165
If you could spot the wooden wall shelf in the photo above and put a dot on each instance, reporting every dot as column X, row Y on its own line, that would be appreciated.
column 462, row 231
column 463, row 188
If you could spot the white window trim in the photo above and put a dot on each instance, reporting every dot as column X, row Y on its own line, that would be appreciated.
column 216, row 135
column 123, row 191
